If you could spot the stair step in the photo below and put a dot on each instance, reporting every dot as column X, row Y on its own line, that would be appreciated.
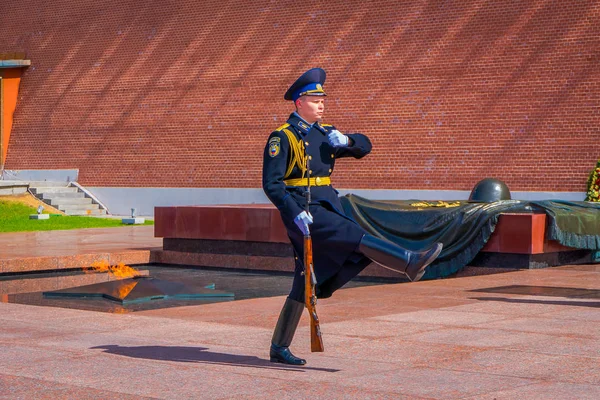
column 68, row 199
column 82, row 207
column 69, row 202
column 61, row 195
column 54, row 189
column 47, row 184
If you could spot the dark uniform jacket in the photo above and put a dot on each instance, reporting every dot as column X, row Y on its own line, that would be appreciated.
column 335, row 236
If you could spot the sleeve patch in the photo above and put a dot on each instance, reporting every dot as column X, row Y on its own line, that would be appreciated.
column 274, row 146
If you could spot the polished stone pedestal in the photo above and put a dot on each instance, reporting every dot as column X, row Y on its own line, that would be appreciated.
column 248, row 223
column 253, row 237
column 519, row 241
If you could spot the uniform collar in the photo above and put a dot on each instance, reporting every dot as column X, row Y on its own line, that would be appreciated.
column 300, row 123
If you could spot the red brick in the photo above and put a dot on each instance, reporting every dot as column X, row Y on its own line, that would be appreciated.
column 139, row 94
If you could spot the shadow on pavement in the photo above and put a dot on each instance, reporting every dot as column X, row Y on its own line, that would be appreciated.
column 552, row 291
column 532, row 301
column 201, row 355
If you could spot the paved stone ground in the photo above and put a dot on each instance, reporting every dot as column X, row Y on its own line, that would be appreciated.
column 519, row 335
column 526, row 334
column 77, row 241
column 57, row 250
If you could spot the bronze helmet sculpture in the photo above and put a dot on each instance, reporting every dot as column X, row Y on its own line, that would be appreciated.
column 489, row 190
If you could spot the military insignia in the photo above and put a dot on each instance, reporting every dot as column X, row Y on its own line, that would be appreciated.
column 303, row 126
column 274, row 146
column 319, row 87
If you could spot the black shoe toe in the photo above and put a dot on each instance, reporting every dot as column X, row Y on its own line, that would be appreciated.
column 284, row 355
column 416, row 271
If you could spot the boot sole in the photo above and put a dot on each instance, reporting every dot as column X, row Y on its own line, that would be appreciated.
column 429, row 261
column 277, row 360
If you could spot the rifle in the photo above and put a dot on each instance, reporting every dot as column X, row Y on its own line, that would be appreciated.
column 310, row 282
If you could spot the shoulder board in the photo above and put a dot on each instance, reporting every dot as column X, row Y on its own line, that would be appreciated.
column 327, row 125
column 282, row 127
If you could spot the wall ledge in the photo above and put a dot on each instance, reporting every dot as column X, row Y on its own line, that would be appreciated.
column 14, row 63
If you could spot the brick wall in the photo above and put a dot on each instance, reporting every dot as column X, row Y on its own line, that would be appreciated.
column 184, row 93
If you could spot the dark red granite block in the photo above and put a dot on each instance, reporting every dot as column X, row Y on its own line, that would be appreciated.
column 233, row 224
column 251, row 222
column 190, row 221
column 518, row 234
column 538, row 233
column 164, row 221
column 552, row 246
column 255, row 263
column 278, row 233
column 240, row 247
column 493, row 243
column 258, row 225
column 227, row 261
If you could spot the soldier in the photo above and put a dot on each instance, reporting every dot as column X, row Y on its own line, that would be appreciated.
column 341, row 247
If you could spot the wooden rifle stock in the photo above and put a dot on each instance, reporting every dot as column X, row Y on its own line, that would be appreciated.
column 310, row 298
column 310, row 281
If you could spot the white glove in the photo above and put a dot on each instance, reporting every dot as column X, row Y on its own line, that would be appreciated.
column 337, row 139
column 303, row 220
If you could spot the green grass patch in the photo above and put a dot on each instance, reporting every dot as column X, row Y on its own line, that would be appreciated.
column 14, row 217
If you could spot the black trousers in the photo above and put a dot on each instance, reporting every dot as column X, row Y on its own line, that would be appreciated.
column 325, row 289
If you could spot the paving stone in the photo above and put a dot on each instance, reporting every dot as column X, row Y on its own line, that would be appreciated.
column 443, row 339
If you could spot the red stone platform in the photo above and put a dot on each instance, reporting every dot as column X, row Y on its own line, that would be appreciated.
column 522, row 233
column 247, row 222
column 22, row 252
column 232, row 236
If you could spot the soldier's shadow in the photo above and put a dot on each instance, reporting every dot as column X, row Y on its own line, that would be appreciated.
column 201, row 355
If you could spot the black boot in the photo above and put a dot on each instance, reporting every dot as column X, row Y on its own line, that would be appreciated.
column 391, row 255
column 284, row 333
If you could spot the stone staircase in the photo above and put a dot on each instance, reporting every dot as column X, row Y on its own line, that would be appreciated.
column 69, row 199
